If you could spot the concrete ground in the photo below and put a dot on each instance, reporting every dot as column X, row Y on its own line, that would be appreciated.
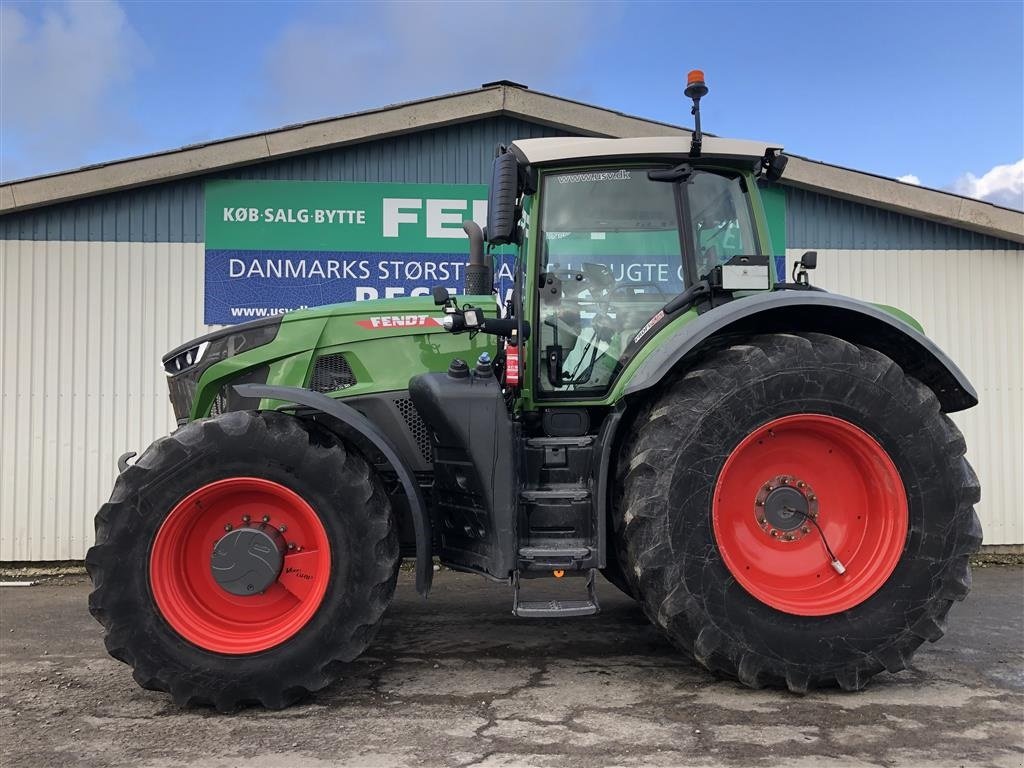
column 457, row 681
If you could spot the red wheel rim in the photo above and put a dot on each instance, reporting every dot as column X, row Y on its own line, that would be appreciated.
column 846, row 478
column 202, row 612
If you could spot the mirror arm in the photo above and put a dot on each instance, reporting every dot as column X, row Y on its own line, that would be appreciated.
column 688, row 298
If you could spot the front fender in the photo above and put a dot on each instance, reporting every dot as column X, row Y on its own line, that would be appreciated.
column 793, row 311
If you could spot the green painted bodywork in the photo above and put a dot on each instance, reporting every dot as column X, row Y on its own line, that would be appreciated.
column 385, row 357
column 382, row 358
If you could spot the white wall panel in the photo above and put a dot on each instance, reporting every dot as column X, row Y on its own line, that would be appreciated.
column 82, row 329
column 970, row 303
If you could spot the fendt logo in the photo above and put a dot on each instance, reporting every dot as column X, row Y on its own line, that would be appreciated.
column 399, row 321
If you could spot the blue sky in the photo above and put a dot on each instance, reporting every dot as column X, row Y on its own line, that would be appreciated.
column 924, row 89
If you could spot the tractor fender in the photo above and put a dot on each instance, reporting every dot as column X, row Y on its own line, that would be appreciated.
column 357, row 421
column 849, row 319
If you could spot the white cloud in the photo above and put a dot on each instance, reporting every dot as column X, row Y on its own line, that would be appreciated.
column 60, row 66
column 1002, row 185
column 399, row 51
column 909, row 178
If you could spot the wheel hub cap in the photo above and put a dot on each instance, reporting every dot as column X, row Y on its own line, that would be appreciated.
column 248, row 560
column 785, row 508
column 782, row 507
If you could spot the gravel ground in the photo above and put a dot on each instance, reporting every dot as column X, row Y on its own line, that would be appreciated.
column 457, row 681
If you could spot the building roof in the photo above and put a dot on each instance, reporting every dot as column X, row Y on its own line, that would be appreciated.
column 578, row 148
column 493, row 99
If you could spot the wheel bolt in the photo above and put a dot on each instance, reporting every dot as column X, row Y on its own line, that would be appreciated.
column 812, row 497
column 228, row 527
column 246, row 518
column 759, row 503
column 763, row 520
column 775, row 533
column 291, row 545
column 784, row 481
column 801, row 484
column 805, row 529
column 788, row 537
column 266, row 518
column 282, row 528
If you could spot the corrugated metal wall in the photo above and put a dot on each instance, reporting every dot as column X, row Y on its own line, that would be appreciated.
column 84, row 325
column 815, row 220
column 969, row 302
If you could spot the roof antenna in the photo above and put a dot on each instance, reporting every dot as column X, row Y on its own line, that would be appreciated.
column 695, row 89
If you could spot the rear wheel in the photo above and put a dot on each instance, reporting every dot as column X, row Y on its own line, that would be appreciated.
column 797, row 511
column 243, row 559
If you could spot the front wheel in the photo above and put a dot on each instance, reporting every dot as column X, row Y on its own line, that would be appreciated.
column 797, row 511
column 243, row 559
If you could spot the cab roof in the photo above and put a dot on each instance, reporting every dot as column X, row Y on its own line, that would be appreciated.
column 539, row 151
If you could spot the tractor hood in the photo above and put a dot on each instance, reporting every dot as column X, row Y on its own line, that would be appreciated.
column 363, row 347
column 375, row 318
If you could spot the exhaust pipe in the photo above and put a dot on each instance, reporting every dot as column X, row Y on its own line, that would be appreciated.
column 479, row 272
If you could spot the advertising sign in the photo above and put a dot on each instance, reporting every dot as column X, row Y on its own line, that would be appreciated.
column 275, row 246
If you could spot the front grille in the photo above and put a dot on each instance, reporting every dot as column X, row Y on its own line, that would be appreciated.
column 331, row 373
column 182, row 389
column 419, row 430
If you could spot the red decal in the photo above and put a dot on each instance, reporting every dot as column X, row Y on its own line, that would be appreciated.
column 650, row 324
column 511, row 365
column 378, row 322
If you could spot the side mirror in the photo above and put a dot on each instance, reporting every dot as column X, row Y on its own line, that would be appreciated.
column 808, row 261
column 440, row 294
column 775, row 166
column 501, row 199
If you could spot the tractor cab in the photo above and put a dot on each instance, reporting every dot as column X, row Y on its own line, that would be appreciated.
column 612, row 231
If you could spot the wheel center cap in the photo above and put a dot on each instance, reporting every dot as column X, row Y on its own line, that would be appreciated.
column 785, row 508
column 247, row 560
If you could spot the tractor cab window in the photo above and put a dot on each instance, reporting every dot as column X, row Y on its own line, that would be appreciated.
column 610, row 257
column 720, row 216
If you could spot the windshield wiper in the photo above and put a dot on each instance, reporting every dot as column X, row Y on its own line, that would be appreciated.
column 679, row 173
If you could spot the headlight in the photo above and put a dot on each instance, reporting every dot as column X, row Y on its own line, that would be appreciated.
column 186, row 364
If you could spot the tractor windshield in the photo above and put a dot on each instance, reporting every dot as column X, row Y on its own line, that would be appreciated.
column 611, row 256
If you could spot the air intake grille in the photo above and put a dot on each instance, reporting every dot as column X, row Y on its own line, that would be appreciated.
column 419, row 430
column 331, row 373
column 228, row 399
column 220, row 403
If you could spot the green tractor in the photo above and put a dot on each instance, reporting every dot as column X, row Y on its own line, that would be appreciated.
column 767, row 468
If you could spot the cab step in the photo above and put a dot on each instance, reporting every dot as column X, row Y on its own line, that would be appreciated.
column 550, row 558
column 547, row 609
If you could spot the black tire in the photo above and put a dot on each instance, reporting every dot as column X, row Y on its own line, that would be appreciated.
column 345, row 494
column 666, row 538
